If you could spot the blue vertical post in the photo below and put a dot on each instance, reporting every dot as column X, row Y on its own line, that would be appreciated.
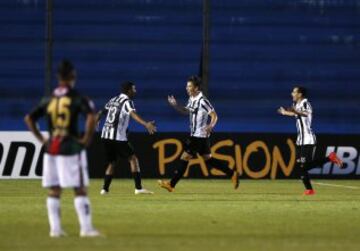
column 205, row 47
column 48, row 46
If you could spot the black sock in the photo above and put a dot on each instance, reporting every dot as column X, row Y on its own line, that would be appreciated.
column 316, row 163
column 220, row 165
column 107, row 182
column 180, row 170
column 137, row 179
column 306, row 179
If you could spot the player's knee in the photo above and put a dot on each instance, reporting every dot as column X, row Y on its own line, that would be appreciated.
column 134, row 163
column 110, row 169
column 133, row 158
column 54, row 192
column 80, row 191
column 186, row 156
column 206, row 157
column 135, row 169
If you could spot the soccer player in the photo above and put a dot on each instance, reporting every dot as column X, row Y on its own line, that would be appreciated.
column 114, row 136
column 200, row 110
column 306, row 140
column 65, row 163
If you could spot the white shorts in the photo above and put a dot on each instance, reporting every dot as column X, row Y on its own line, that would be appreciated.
column 66, row 171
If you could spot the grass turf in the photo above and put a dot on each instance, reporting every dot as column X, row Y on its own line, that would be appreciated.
column 200, row 215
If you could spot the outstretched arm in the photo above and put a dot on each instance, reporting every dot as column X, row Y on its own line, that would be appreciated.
column 181, row 109
column 150, row 125
column 286, row 112
column 292, row 112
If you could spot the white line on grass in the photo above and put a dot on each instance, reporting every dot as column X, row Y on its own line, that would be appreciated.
column 334, row 185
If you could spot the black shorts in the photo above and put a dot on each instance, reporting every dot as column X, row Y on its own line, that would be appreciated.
column 195, row 145
column 117, row 149
column 305, row 153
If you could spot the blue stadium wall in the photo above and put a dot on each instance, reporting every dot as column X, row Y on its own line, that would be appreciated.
column 259, row 50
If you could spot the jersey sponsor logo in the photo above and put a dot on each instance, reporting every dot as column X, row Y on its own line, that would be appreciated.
column 20, row 156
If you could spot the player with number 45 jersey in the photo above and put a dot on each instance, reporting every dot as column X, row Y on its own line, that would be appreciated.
column 65, row 162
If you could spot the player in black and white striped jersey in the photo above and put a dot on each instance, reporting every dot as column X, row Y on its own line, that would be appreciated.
column 305, row 133
column 199, row 110
column 306, row 139
column 118, row 117
column 119, row 109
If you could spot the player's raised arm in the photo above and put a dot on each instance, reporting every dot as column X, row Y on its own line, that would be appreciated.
column 149, row 125
column 292, row 112
column 286, row 112
column 181, row 109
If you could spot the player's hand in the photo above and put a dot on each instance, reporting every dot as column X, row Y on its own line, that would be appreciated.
column 209, row 129
column 44, row 141
column 151, row 127
column 172, row 100
column 281, row 110
column 85, row 141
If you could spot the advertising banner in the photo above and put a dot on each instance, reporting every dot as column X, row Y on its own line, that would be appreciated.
column 254, row 155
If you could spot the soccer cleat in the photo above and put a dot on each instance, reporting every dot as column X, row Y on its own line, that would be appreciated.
column 104, row 192
column 235, row 179
column 90, row 233
column 58, row 234
column 166, row 185
column 335, row 159
column 309, row 192
column 143, row 191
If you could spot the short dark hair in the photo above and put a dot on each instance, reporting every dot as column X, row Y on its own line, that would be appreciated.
column 66, row 70
column 126, row 86
column 195, row 80
column 302, row 90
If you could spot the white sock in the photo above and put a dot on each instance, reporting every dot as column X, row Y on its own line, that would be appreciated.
column 53, row 207
column 82, row 206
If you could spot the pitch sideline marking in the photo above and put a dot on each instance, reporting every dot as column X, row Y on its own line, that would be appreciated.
column 334, row 185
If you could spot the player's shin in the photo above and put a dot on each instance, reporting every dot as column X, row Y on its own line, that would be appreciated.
column 53, row 208
column 107, row 182
column 82, row 206
column 137, row 180
column 306, row 179
column 220, row 165
column 179, row 173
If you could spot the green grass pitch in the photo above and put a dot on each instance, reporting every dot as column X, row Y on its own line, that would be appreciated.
column 200, row 215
